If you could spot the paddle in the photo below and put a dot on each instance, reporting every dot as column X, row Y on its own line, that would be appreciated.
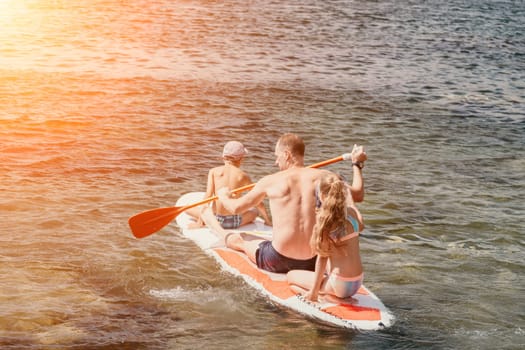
column 151, row 221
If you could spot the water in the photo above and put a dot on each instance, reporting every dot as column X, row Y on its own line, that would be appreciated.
column 110, row 108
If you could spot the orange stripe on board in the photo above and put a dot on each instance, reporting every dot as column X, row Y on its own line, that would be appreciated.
column 280, row 289
column 353, row 312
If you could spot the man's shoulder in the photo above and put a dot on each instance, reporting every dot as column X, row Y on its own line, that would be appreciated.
column 290, row 174
column 271, row 179
column 315, row 172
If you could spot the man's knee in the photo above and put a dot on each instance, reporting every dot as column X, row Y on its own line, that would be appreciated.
column 234, row 240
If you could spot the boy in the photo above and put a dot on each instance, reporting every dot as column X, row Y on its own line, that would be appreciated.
column 231, row 176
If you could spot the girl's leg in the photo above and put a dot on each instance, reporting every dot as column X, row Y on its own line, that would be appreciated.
column 302, row 279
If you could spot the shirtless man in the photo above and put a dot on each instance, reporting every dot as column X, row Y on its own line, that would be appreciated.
column 291, row 194
column 232, row 176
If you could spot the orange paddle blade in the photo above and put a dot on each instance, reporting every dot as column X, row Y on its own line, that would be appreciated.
column 148, row 222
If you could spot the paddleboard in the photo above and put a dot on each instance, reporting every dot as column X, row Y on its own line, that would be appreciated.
column 366, row 312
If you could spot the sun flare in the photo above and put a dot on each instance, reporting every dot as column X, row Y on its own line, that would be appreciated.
column 9, row 8
column 6, row 4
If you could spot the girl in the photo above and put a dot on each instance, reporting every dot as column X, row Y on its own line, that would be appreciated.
column 338, row 270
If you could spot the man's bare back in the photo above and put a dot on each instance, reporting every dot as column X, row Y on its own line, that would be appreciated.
column 291, row 193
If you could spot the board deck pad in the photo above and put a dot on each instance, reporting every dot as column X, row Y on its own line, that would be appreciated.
column 365, row 312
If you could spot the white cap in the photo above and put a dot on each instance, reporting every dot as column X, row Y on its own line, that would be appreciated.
column 234, row 149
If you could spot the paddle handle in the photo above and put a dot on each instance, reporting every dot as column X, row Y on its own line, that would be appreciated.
column 346, row 156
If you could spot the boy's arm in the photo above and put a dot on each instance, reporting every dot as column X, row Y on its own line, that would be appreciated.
column 210, row 190
column 210, row 185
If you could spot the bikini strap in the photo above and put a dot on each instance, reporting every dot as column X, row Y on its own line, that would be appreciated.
column 354, row 222
column 350, row 236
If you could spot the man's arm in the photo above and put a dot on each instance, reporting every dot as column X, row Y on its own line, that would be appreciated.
column 243, row 203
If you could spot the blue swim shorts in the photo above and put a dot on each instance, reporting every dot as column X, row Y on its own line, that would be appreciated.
column 270, row 260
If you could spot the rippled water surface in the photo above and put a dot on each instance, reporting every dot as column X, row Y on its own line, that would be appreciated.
column 109, row 108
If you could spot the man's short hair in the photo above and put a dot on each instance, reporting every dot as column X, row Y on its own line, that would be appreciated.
column 292, row 143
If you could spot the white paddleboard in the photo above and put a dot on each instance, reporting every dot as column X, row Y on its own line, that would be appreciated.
column 367, row 312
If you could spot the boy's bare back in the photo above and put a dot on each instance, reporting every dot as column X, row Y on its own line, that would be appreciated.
column 228, row 176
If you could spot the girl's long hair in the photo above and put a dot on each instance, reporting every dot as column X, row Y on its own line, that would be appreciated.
column 331, row 214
